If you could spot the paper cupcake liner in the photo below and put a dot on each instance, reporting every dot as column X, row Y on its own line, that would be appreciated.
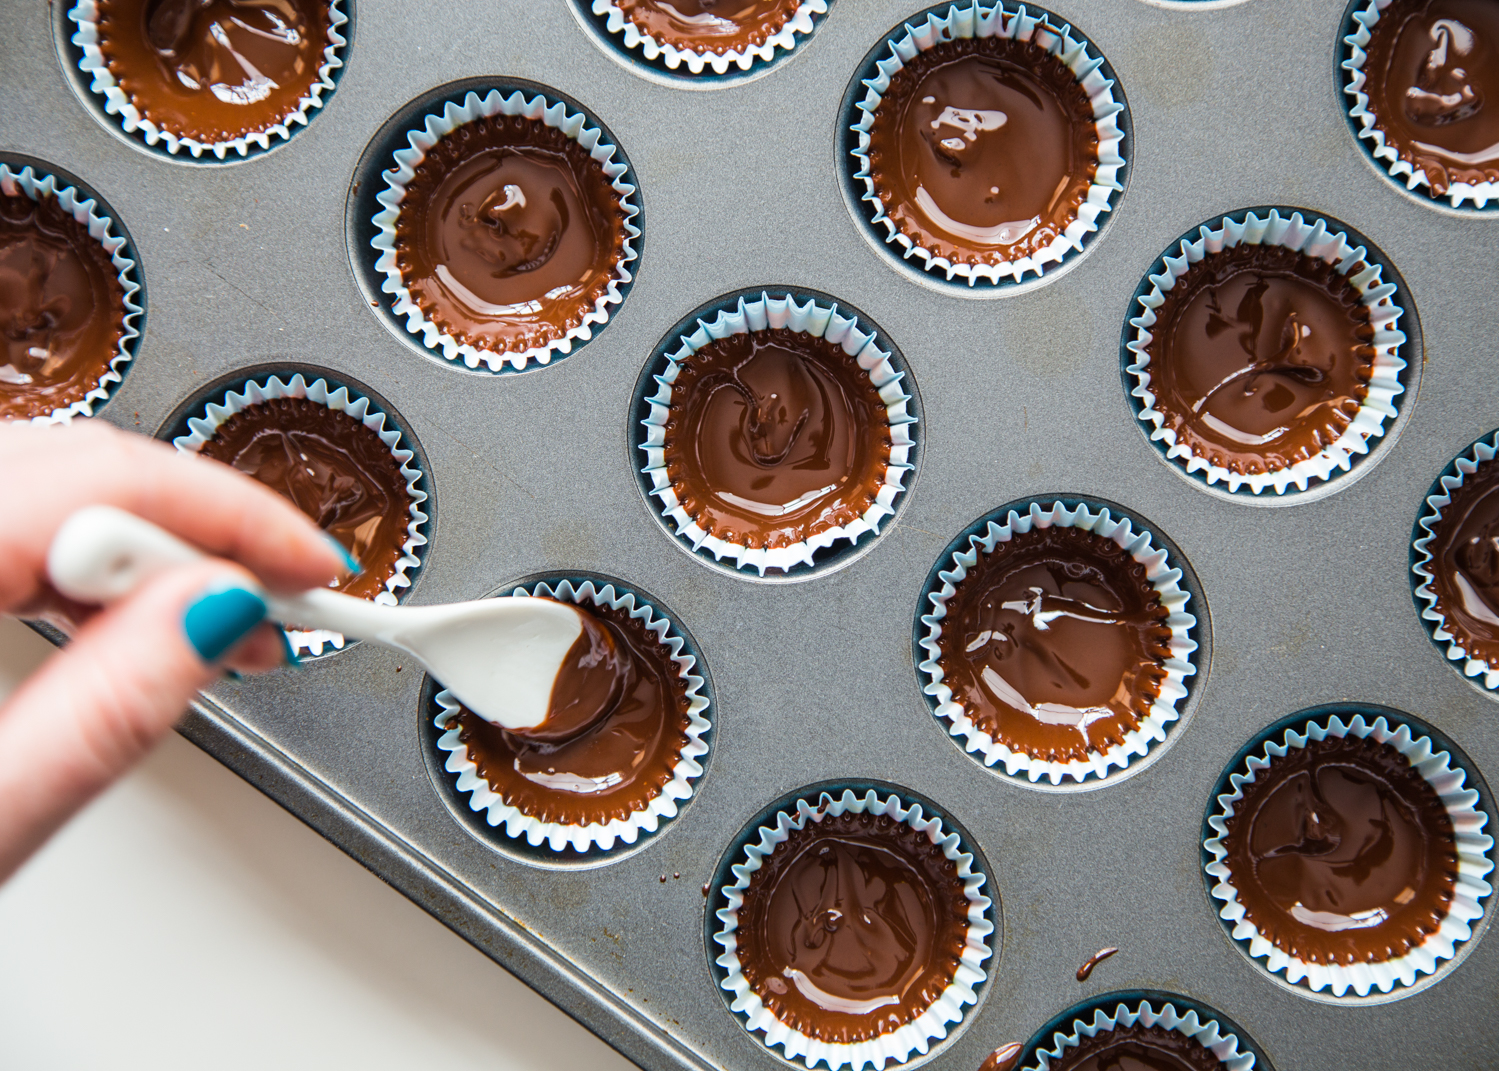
column 1385, row 154
column 916, row 1036
column 1480, row 453
column 698, row 62
column 1209, row 1033
column 972, row 20
column 1163, row 576
column 819, row 321
column 515, row 823
column 578, row 127
column 1447, row 778
column 1361, row 270
column 86, row 211
column 202, row 428
column 85, row 15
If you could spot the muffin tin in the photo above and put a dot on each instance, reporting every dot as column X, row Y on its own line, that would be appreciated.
column 814, row 683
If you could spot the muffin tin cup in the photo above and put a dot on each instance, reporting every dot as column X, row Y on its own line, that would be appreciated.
column 1481, row 673
column 541, row 108
column 1358, row 26
column 20, row 179
column 742, row 314
column 116, row 103
column 1448, row 776
column 596, row 837
column 950, row 22
column 340, row 399
column 915, row 1037
column 626, row 37
column 1163, row 573
column 1233, row 1052
column 1322, row 239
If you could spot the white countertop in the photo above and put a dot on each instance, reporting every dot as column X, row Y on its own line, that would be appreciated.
column 185, row 921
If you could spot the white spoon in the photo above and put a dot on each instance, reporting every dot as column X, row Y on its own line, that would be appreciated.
column 503, row 658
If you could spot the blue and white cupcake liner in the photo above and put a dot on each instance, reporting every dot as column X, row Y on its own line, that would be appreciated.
column 913, row 1038
column 698, row 62
column 601, row 836
column 215, row 414
column 435, row 127
column 1209, row 1033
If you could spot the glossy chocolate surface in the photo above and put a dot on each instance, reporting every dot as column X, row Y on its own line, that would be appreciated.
column 1086, row 970
column 717, row 26
column 214, row 70
column 775, row 436
column 1138, row 1048
column 852, row 927
column 1465, row 564
column 595, row 675
column 62, row 308
column 332, row 468
column 1342, row 852
column 983, row 149
column 1261, row 357
column 613, row 769
column 1003, row 1058
column 1433, row 87
column 508, row 234
column 1055, row 643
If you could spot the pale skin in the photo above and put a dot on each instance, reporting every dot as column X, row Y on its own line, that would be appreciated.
column 97, row 706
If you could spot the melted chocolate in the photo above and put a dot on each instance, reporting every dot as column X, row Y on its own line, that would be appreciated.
column 775, row 436
column 62, row 308
column 595, row 675
column 1342, row 852
column 1261, row 357
column 982, row 149
column 611, row 770
column 1086, row 970
column 508, row 234
column 1003, row 1058
column 1465, row 564
column 332, row 468
column 852, row 927
column 716, row 26
column 214, row 70
column 1054, row 643
column 1433, row 85
column 1138, row 1048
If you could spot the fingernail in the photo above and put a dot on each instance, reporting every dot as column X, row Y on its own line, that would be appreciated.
column 221, row 617
column 288, row 650
column 351, row 563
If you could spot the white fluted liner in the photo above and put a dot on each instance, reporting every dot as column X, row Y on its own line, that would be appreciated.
column 1481, row 453
column 85, row 15
column 515, row 823
column 1473, row 862
column 26, row 182
column 917, row 1035
column 1388, row 157
column 1354, row 263
column 436, row 126
column 1163, row 576
column 1208, row 1033
column 973, row 20
column 202, row 428
column 819, row 321
column 701, row 62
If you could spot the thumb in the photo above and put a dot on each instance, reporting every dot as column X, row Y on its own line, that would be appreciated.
column 97, row 706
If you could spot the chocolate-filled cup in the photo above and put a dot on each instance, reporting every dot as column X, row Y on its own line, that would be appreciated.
column 700, row 43
column 1163, row 1032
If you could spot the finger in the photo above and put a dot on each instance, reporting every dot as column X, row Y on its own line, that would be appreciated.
column 264, row 649
column 97, row 706
column 59, row 470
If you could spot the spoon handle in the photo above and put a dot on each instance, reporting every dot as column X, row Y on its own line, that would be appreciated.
column 102, row 554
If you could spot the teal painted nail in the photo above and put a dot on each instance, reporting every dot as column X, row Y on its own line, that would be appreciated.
column 351, row 563
column 287, row 649
column 221, row 617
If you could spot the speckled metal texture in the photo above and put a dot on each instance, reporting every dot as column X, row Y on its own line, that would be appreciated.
column 248, row 267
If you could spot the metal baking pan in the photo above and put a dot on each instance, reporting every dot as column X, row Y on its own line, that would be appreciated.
column 248, row 266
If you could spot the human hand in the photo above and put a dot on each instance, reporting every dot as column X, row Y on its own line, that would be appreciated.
column 97, row 706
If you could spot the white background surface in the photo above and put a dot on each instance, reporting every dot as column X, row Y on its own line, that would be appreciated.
column 186, row 921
